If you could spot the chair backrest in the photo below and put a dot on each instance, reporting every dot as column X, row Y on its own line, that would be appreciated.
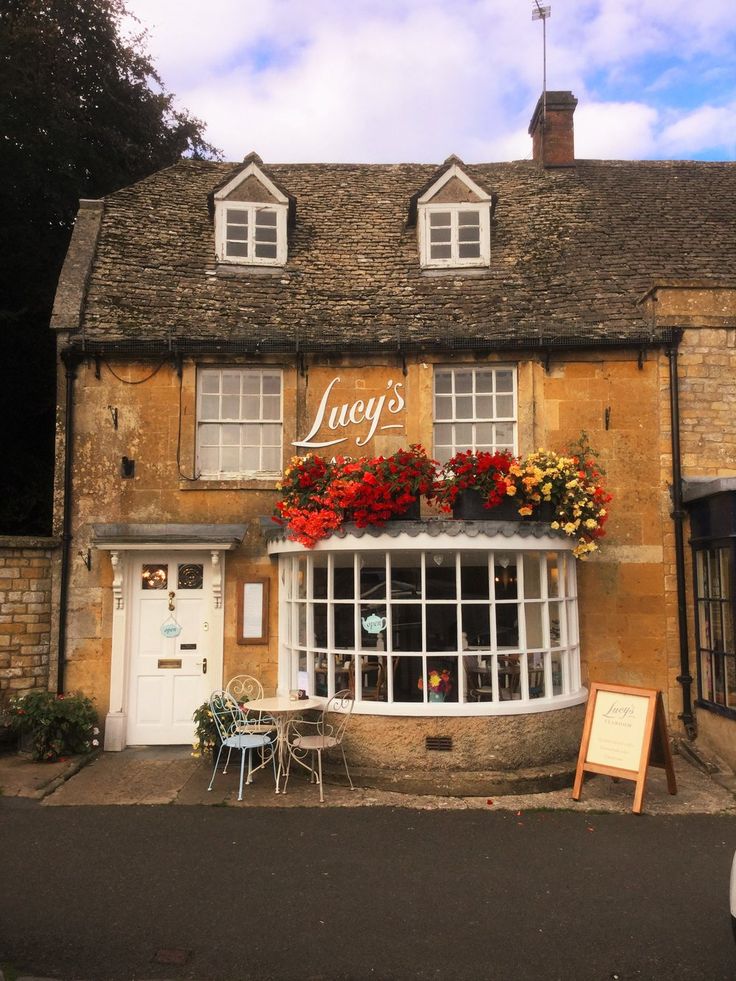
column 226, row 713
column 244, row 688
column 341, row 704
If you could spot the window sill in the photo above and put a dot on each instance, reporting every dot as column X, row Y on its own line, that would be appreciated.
column 235, row 483
column 236, row 270
column 442, row 272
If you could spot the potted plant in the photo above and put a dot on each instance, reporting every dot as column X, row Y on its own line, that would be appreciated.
column 476, row 484
column 53, row 725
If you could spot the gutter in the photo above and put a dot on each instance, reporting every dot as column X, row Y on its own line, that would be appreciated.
column 684, row 678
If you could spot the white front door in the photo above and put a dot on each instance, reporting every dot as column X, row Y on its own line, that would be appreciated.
column 171, row 649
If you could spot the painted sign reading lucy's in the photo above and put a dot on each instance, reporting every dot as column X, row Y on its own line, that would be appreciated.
column 339, row 417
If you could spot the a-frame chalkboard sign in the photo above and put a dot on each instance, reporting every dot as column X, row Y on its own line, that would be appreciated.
column 625, row 732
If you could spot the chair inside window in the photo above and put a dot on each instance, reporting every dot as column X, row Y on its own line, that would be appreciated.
column 372, row 678
column 237, row 731
column 312, row 739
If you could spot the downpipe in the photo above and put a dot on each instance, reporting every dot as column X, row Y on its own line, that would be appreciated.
column 685, row 678
column 71, row 360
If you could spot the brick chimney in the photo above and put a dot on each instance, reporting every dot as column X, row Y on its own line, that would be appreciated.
column 553, row 143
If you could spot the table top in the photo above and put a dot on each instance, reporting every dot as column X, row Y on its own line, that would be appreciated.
column 282, row 704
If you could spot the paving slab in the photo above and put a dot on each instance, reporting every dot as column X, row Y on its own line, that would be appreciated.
column 171, row 775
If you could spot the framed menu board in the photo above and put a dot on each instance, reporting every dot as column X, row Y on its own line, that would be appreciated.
column 253, row 611
column 625, row 732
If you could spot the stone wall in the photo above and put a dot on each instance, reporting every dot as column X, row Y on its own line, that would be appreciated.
column 26, row 613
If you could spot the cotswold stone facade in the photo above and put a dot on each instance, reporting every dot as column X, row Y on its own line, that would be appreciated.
column 26, row 618
column 216, row 319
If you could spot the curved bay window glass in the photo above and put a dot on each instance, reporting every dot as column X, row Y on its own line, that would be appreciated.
column 412, row 631
column 713, row 527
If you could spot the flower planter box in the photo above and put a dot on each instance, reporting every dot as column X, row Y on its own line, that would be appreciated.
column 468, row 506
column 412, row 513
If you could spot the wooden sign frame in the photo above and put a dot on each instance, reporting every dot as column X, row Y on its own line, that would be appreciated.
column 629, row 728
column 253, row 610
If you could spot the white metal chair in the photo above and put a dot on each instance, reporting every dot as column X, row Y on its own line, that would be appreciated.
column 236, row 731
column 244, row 688
column 316, row 738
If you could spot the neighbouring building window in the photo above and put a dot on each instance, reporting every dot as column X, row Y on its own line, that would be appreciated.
column 474, row 408
column 455, row 235
column 239, row 422
column 715, row 614
column 463, row 631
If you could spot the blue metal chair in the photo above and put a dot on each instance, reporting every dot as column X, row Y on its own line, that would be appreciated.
column 237, row 731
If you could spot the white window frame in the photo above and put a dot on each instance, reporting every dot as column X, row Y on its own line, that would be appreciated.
column 251, row 210
column 205, row 418
column 492, row 420
column 454, row 260
column 319, row 668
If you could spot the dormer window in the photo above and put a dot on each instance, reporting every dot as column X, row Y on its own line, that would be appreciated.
column 251, row 233
column 453, row 216
column 251, row 216
column 455, row 235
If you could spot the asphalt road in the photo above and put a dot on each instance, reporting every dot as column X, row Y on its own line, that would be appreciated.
column 120, row 892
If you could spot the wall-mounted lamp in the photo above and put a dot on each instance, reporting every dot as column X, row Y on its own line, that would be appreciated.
column 114, row 416
column 607, row 416
column 86, row 557
column 127, row 467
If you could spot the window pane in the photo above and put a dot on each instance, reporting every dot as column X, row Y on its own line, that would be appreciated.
column 532, row 577
column 271, row 383
column 239, row 249
column 406, row 627
column 373, row 624
column 319, row 619
column 533, row 618
column 474, row 576
column 155, row 576
column 343, row 585
column 469, row 234
column 265, row 235
column 483, row 407
column 265, row 251
column 271, row 461
column 463, row 382
column 504, row 405
column 468, row 251
column 210, row 407
column 442, row 408
column 373, row 576
column 443, row 382
column 476, row 626
column 471, row 218
column 190, row 576
column 230, row 407
column 504, row 381
column 439, row 218
column 504, row 575
column 441, row 251
column 344, row 627
column 507, row 625
column 442, row 627
column 440, row 575
column 464, row 407
column 237, row 233
column 237, row 216
column 406, row 576
column 264, row 217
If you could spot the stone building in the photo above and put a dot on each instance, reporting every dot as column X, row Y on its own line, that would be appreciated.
column 215, row 319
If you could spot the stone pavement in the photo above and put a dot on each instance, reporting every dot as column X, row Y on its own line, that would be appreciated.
column 171, row 775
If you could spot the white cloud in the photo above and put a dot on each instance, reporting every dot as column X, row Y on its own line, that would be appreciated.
column 708, row 126
column 389, row 80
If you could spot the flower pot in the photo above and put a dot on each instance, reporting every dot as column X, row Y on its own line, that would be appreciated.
column 436, row 696
column 468, row 506
column 412, row 513
column 546, row 512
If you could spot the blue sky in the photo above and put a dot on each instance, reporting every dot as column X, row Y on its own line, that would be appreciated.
column 391, row 81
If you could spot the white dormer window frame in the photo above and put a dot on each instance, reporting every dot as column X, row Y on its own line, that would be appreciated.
column 252, row 233
column 454, row 234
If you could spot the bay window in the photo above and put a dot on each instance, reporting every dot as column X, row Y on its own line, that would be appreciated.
column 426, row 630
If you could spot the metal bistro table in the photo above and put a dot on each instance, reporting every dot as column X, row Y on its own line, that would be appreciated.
column 279, row 708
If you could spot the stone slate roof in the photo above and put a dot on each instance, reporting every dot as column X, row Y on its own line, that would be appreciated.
column 573, row 251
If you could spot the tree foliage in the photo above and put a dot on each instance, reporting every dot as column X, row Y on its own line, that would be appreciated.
column 83, row 112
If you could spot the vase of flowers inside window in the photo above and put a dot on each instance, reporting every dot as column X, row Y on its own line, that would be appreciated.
column 439, row 684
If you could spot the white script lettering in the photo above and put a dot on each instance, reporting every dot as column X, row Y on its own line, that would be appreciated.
column 340, row 416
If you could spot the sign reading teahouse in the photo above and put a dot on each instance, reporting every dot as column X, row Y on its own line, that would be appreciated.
column 340, row 417
column 625, row 732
